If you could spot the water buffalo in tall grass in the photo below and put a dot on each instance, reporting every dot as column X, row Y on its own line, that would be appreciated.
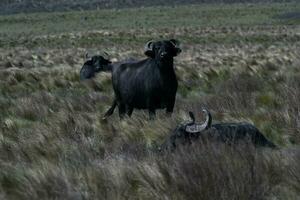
column 149, row 84
column 230, row 133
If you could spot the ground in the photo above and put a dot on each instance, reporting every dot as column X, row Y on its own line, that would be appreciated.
column 240, row 61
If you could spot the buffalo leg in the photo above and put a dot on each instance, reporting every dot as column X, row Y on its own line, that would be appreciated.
column 110, row 111
column 170, row 107
column 129, row 110
column 122, row 110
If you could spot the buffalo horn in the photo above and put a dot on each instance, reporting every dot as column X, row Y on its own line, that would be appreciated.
column 198, row 127
column 148, row 49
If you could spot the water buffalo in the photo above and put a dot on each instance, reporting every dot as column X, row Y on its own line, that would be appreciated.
column 230, row 133
column 150, row 83
column 92, row 66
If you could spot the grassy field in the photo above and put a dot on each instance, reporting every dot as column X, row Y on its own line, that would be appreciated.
column 29, row 6
column 240, row 61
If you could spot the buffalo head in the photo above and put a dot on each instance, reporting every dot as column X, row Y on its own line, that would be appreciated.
column 162, row 50
column 99, row 63
column 93, row 65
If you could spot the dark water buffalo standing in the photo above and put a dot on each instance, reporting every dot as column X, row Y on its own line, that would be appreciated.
column 146, row 84
column 92, row 66
column 224, row 132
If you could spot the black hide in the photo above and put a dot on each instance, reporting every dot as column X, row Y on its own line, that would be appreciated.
column 229, row 133
column 146, row 84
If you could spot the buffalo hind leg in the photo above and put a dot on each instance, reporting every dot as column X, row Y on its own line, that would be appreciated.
column 122, row 110
column 110, row 111
column 129, row 110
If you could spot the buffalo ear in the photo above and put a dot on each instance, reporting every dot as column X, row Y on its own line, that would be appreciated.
column 148, row 49
column 176, row 44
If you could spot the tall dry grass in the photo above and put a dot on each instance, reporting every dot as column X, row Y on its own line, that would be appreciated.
column 54, row 145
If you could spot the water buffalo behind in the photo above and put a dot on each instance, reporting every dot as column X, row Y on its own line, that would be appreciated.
column 230, row 133
column 93, row 66
column 149, row 84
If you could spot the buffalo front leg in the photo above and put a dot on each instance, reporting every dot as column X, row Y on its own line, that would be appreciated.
column 170, row 107
column 122, row 110
column 152, row 113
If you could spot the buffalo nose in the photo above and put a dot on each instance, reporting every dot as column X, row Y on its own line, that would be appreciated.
column 163, row 54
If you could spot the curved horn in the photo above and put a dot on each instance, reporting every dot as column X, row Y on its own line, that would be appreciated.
column 197, row 127
column 175, row 42
column 148, row 49
column 192, row 116
column 87, row 56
